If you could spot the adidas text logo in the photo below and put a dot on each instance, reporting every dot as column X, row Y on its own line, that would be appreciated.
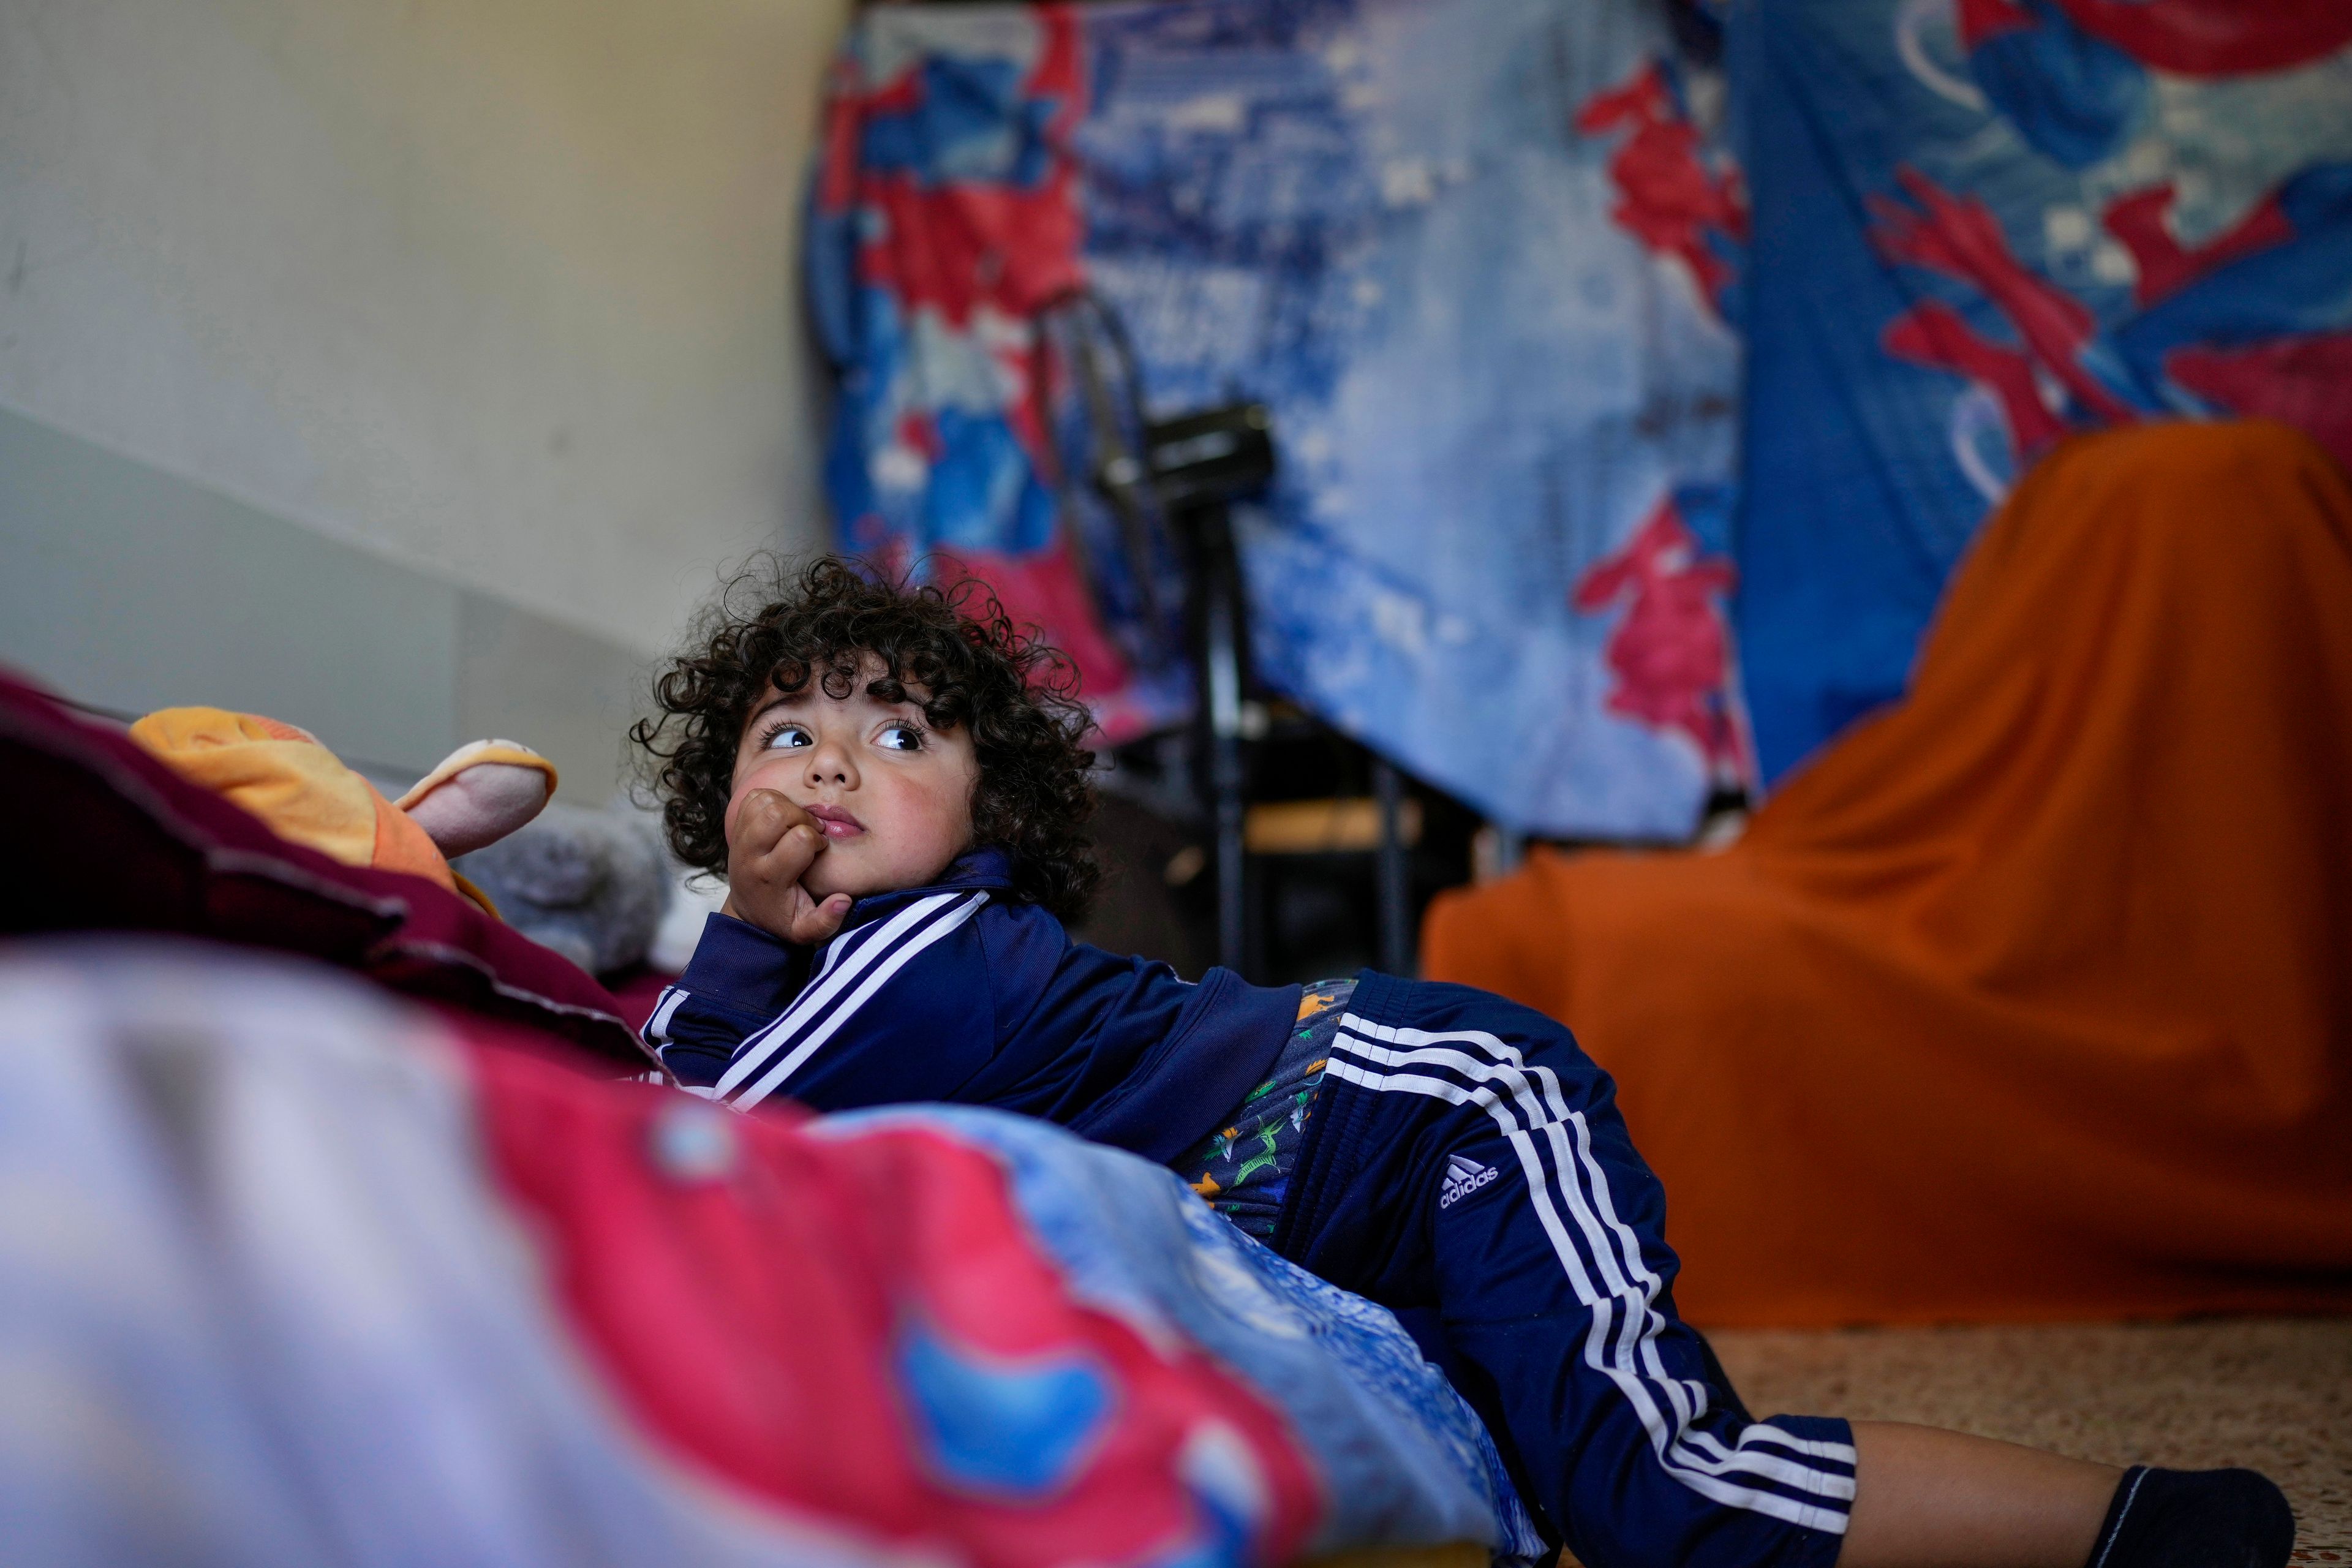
column 1463, row 1176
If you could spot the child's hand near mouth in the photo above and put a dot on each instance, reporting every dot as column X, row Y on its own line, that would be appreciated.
column 771, row 844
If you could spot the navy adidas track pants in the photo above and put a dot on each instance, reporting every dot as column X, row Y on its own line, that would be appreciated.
column 1465, row 1160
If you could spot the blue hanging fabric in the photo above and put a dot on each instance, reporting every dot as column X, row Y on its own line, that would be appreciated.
column 1979, row 225
column 1477, row 257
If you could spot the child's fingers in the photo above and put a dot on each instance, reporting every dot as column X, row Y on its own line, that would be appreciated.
column 771, row 844
column 821, row 921
column 772, row 840
column 788, row 861
column 760, row 819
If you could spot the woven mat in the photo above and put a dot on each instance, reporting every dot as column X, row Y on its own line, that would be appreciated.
column 2271, row 1394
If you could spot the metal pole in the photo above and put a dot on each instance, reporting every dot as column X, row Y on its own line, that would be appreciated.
column 1226, row 782
column 1396, row 890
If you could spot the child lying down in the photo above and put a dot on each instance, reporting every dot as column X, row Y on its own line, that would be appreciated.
column 892, row 780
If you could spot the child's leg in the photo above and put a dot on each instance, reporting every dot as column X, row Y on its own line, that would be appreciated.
column 1554, row 1297
column 1931, row 1499
column 1464, row 1152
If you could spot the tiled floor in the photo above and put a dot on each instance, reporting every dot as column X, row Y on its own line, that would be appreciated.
column 2273, row 1394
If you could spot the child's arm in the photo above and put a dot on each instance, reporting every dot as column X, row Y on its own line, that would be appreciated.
column 753, row 954
column 738, row 981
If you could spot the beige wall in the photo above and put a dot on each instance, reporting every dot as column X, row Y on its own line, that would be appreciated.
column 502, row 293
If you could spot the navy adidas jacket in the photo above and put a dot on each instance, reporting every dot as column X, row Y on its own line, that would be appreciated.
column 957, row 993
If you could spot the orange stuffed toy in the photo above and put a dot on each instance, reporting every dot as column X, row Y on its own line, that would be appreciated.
column 477, row 796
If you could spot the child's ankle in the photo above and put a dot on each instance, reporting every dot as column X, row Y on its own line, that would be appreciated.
column 2195, row 1518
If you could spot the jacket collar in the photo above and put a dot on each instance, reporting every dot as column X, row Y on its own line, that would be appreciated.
column 986, row 867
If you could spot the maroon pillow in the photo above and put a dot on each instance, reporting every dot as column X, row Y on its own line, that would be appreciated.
column 96, row 834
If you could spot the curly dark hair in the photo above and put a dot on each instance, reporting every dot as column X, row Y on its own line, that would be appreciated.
column 952, row 646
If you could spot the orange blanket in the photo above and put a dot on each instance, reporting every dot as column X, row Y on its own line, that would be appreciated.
column 2030, row 996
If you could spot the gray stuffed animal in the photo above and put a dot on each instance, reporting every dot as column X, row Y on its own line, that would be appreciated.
column 593, row 885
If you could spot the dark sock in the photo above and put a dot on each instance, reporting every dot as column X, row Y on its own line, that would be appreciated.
column 2195, row 1518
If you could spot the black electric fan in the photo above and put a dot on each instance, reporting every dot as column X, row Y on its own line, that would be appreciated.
column 1177, row 481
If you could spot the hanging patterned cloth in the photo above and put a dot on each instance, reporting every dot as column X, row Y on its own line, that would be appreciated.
column 1980, row 225
column 1474, row 254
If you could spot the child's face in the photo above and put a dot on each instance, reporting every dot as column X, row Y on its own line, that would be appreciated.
column 892, row 795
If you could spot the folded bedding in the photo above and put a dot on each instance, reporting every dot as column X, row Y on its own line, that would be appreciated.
column 99, row 834
column 2026, row 998
column 339, row 1230
column 297, row 1274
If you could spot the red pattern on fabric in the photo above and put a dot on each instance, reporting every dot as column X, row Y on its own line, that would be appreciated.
column 919, row 432
column 2298, row 381
column 2187, row 37
column 1670, row 654
column 2165, row 266
column 747, row 1314
column 986, row 258
column 1980, row 20
column 1045, row 590
column 1959, row 237
column 1666, row 198
column 1935, row 336
column 963, row 244
column 957, row 247
column 2215, row 37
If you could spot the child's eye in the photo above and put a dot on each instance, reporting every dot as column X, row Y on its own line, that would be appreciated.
column 900, row 738
column 786, row 737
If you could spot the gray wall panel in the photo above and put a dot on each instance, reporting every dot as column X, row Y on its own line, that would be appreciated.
column 129, row 589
